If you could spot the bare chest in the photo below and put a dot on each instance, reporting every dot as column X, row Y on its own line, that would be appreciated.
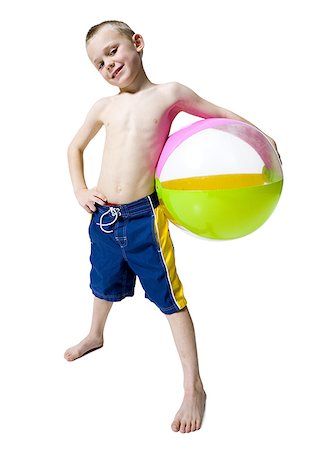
column 142, row 116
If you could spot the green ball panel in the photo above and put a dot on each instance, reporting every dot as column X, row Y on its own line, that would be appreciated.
column 220, row 214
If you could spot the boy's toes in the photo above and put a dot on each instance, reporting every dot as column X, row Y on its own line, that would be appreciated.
column 67, row 356
column 183, row 427
column 175, row 425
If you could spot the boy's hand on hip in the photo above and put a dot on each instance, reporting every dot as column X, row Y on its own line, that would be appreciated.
column 88, row 197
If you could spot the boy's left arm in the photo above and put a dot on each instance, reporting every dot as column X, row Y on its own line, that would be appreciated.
column 189, row 102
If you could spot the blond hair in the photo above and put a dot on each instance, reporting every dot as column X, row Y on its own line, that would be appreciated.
column 122, row 27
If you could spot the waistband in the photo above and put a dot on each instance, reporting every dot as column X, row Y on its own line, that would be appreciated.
column 137, row 208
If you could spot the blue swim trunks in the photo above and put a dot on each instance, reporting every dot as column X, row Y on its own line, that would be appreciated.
column 132, row 240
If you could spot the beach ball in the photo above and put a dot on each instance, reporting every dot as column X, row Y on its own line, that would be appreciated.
column 219, row 178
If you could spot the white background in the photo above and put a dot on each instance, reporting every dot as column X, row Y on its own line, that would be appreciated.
column 253, row 300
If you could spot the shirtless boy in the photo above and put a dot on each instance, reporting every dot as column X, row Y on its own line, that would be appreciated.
column 128, row 230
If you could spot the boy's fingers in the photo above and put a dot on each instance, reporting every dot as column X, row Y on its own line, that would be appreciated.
column 91, row 206
column 99, row 201
column 99, row 194
column 87, row 209
column 99, row 198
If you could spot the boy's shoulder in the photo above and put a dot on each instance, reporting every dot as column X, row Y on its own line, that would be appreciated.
column 102, row 102
column 173, row 86
column 178, row 91
column 174, row 90
column 100, row 105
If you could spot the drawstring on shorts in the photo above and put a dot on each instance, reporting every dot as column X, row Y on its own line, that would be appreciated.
column 115, row 212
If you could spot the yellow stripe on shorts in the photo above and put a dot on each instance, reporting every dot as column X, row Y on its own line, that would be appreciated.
column 161, row 228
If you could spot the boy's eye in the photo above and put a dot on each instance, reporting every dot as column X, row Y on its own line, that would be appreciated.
column 111, row 53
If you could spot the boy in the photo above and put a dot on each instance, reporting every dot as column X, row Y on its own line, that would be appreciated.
column 128, row 231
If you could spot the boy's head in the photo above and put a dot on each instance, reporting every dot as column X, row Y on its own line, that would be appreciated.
column 116, row 51
column 122, row 27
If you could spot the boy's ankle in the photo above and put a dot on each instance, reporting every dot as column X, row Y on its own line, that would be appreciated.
column 191, row 386
column 96, row 336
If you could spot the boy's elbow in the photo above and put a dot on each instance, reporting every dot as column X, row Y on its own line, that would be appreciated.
column 73, row 149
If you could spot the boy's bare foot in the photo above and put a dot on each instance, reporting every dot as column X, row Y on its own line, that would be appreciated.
column 87, row 345
column 190, row 415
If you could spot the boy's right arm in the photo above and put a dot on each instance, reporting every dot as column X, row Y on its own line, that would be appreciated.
column 92, row 124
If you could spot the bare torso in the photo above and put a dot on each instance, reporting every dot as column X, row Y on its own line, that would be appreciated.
column 137, row 126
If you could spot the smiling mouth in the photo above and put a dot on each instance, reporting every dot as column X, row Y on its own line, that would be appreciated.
column 117, row 71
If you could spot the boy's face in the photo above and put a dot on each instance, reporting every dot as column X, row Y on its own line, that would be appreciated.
column 115, row 56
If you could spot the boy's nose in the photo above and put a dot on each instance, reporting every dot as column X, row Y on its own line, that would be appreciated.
column 110, row 66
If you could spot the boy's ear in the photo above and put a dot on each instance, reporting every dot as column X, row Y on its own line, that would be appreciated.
column 138, row 41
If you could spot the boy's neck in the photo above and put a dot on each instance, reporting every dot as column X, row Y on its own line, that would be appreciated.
column 140, row 83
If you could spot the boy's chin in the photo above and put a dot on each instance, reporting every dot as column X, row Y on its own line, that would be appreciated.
column 118, row 83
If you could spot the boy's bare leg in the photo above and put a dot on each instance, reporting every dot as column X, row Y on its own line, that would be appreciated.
column 94, row 339
column 190, row 415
